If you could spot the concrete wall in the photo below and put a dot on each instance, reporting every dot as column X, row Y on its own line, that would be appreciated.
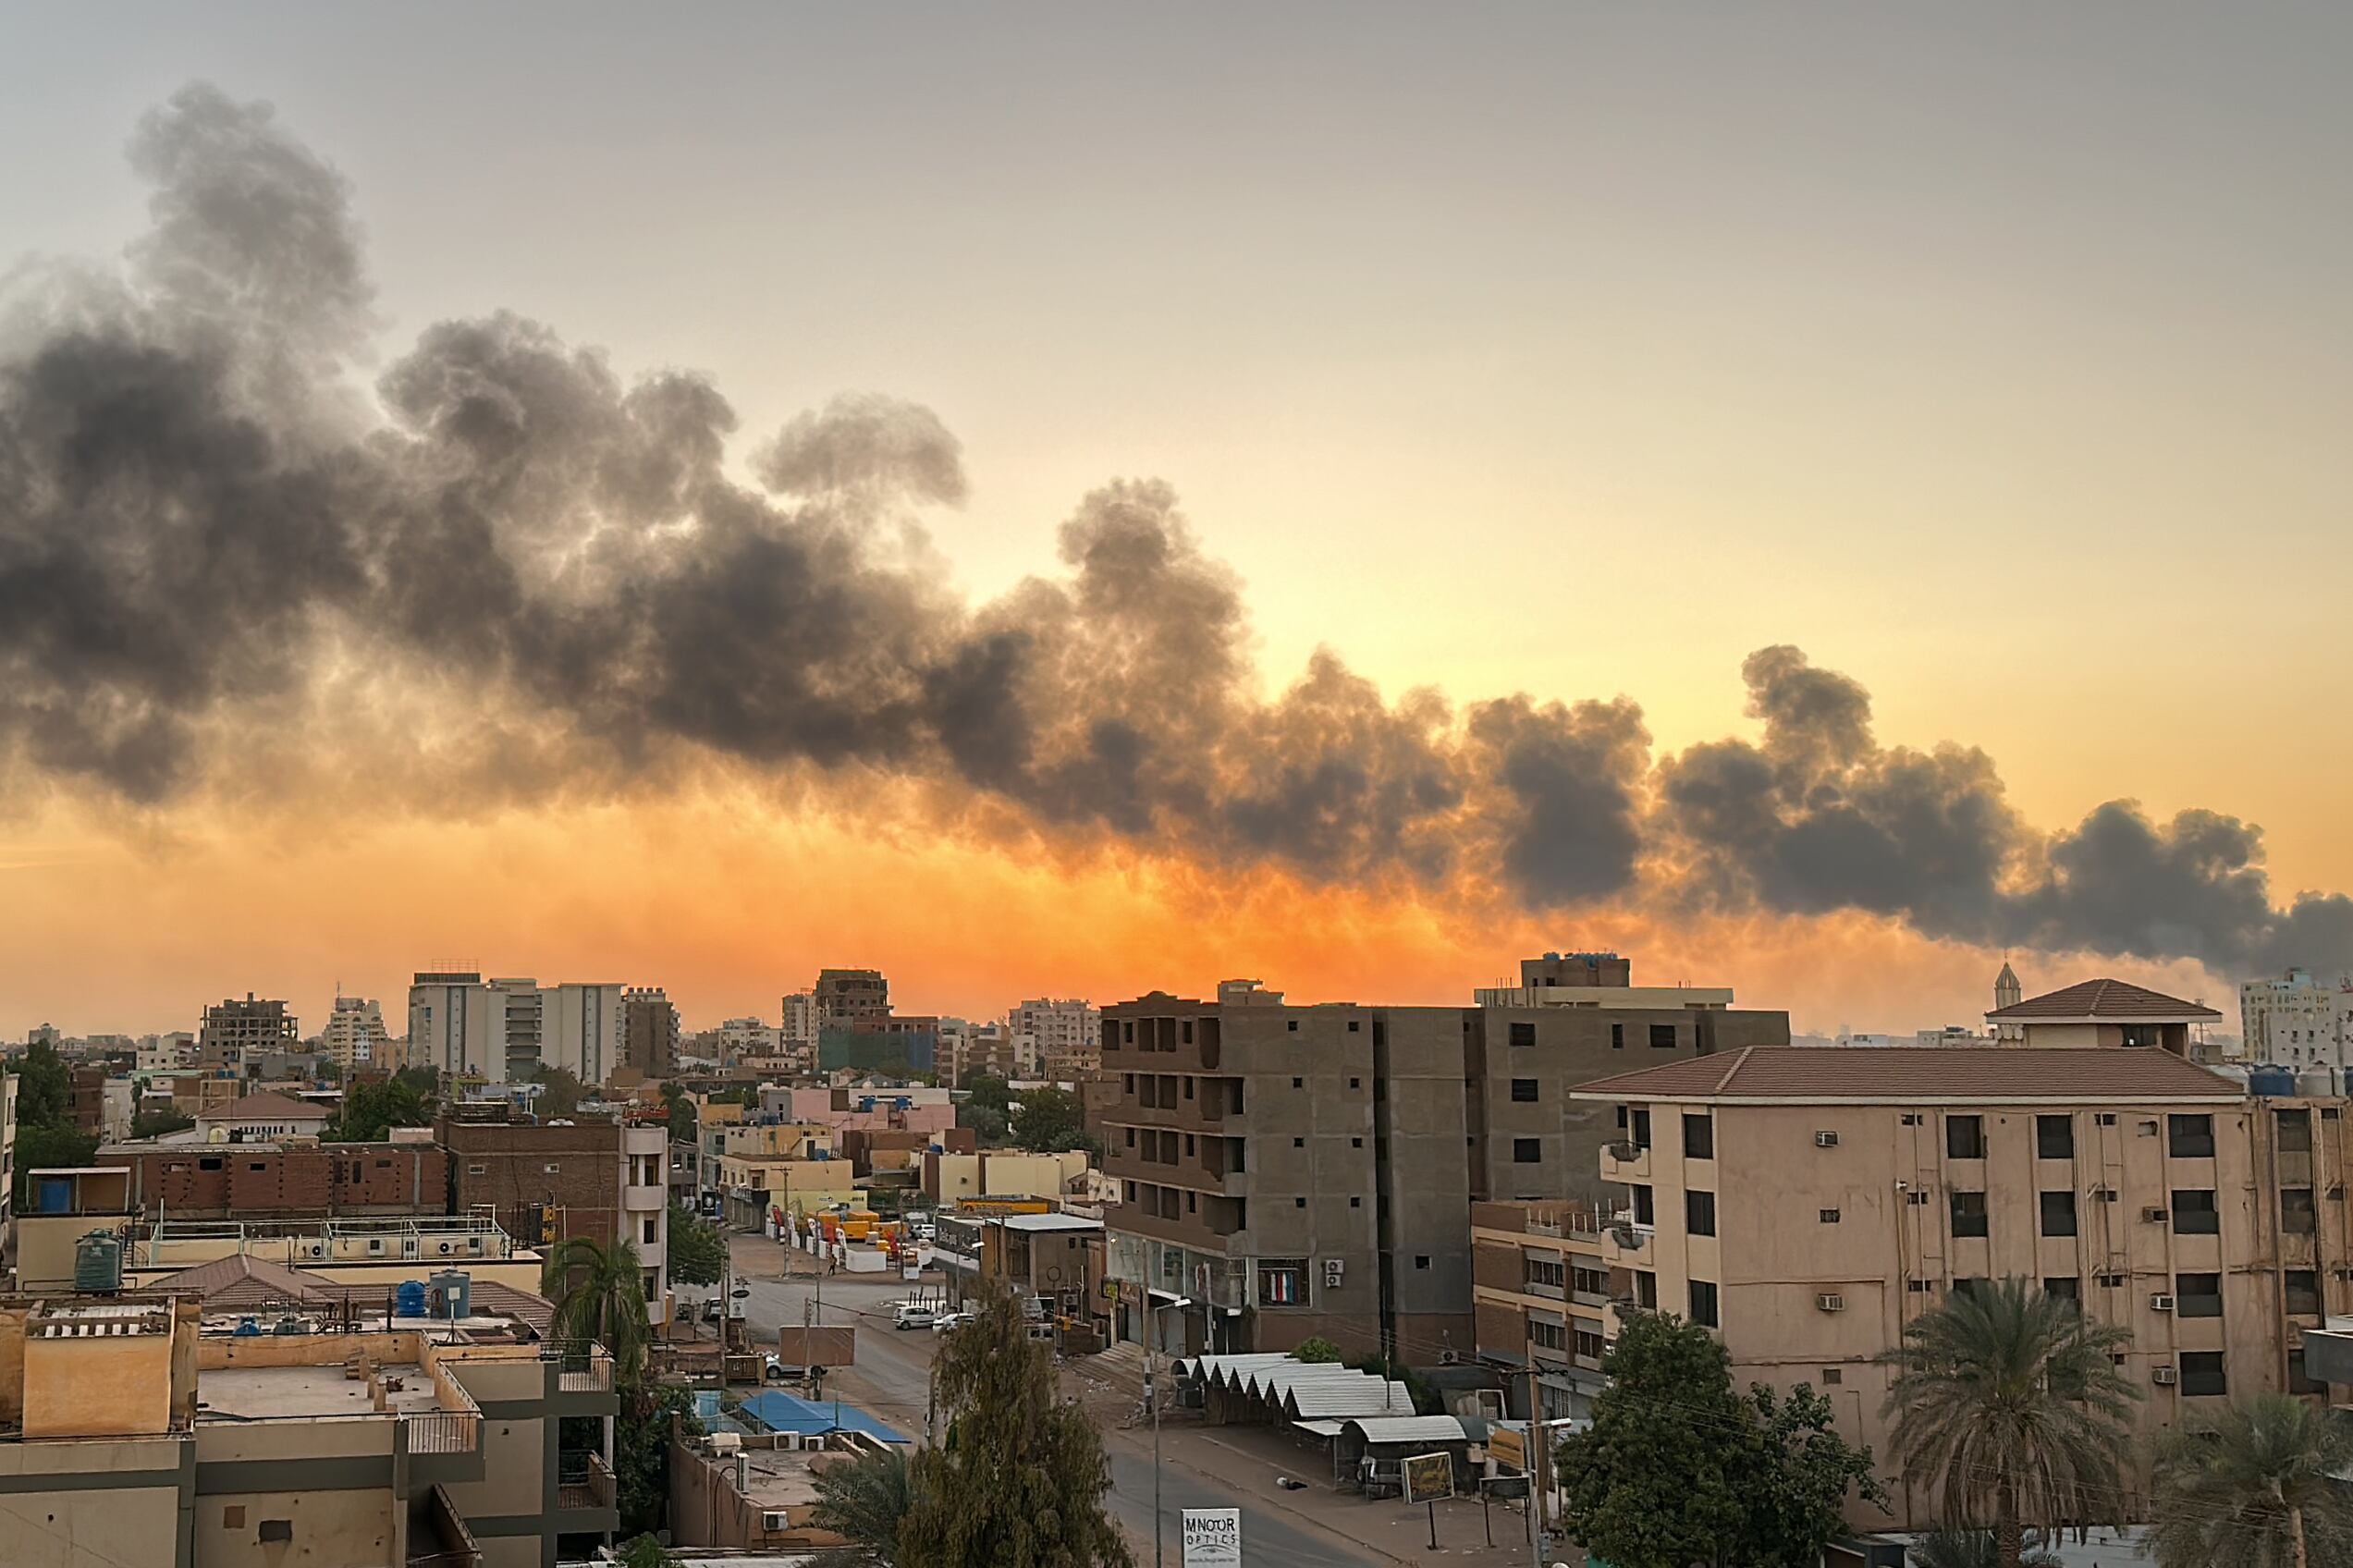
column 132, row 1518
column 110, row 1385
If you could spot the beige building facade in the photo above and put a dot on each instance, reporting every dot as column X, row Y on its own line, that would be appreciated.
column 1540, row 1294
column 1808, row 1204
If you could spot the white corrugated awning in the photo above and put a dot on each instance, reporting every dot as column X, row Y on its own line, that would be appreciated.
column 1410, row 1428
column 1320, row 1428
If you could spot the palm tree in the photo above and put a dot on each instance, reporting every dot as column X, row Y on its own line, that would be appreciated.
column 600, row 1291
column 863, row 1501
column 1973, row 1548
column 2259, row 1486
column 2008, row 1406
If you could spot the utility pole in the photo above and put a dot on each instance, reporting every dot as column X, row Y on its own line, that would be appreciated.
column 1152, row 1398
column 1535, row 1471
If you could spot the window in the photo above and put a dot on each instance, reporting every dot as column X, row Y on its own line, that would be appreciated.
column 1965, row 1137
column 1523, row 1090
column 1969, row 1214
column 647, row 1231
column 1589, row 1282
column 2304, row 1292
column 1129, row 1194
column 1523, row 1034
column 1830, row 1217
column 1355, row 1203
column 1282, row 1282
column 1188, row 1087
column 2055, row 1137
column 2300, row 1381
column 1544, row 1272
column 1127, row 1083
column 2189, row 1137
column 1299, row 1083
column 1188, row 1145
column 1351, row 1026
column 1298, row 1203
column 1646, row 1289
column 2193, row 1212
column 1638, row 1126
column 1527, row 1151
column 2197, row 1296
column 1833, row 1376
column 1967, row 1285
column 1546, row 1336
column 2202, row 1372
column 1130, row 1136
column 1421, row 1259
column 1617, row 1036
column 1355, row 1143
column 2110, row 1282
column 2296, row 1213
column 1699, row 1213
column 1293, row 1025
column 1588, row 1345
column 278, row 1529
column 1192, row 1201
column 1355, row 1083
column 1703, row 1304
column 1916, row 1198
column 2058, row 1214
column 2066, row 1287
column 1662, row 1037
column 1698, row 1137
column 2295, row 1131
column 1645, row 1209
column 1185, row 1031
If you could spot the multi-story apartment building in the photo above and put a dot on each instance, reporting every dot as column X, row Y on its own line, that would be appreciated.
column 140, row 1433
column 235, row 1031
column 1540, row 1294
column 501, row 1030
column 844, row 996
column 1808, row 1204
column 1291, row 1170
column 2295, row 1020
column 649, row 1033
column 797, row 1022
column 543, row 1182
column 355, row 1035
column 7, row 1160
column 1066, row 1036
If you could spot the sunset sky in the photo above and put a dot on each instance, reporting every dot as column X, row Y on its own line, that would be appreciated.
column 1998, row 357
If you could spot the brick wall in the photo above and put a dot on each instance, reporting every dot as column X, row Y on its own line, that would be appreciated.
column 228, row 1182
column 513, row 1168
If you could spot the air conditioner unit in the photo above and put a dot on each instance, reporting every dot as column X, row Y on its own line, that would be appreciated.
column 2160, row 1304
column 1334, row 1270
column 1825, row 1140
column 2155, row 1216
column 474, row 1243
column 2148, row 1127
column 318, row 1249
column 1830, row 1301
column 2163, row 1375
column 727, row 1442
column 444, row 1249
column 775, row 1519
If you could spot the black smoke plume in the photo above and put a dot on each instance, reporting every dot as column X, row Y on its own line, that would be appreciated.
column 203, row 508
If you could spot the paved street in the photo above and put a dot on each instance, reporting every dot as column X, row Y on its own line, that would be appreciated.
column 1268, row 1540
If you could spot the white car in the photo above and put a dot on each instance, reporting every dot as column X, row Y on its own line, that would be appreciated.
column 948, row 1320
column 907, row 1315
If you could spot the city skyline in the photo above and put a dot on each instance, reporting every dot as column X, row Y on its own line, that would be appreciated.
column 1623, row 427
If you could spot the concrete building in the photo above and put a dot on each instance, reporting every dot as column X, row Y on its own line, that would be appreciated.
column 548, row 1181
column 846, row 995
column 1066, row 1037
column 649, row 1033
column 355, row 1035
column 1542, row 1290
column 2103, row 1012
column 748, row 1041
column 235, row 1031
column 500, row 1030
column 1808, row 1205
column 263, row 1117
column 999, row 1173
column 7, row 1162
column 1292, row 1172
column 2295, row 1020
column 144, row 1431
column 280, row 1181
column 797, row 1023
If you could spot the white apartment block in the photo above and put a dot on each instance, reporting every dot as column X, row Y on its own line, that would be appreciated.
column 500, row 1029
column 2297, row 1020
column 355, row 1035
column 797, row 1023
column 1065, row 1036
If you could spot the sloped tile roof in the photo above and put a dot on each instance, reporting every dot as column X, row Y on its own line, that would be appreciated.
column 2102, row 998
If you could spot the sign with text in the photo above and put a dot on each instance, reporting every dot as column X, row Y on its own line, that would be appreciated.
column 1507, row 1445
column 1428, row 1478
column 1212, row 1537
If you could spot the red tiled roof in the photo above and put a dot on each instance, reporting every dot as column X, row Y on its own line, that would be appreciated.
column 2103, row 999
column 1911, row 1075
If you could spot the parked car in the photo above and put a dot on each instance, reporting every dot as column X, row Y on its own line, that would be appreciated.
column 909, row 1315
column 947, row 1320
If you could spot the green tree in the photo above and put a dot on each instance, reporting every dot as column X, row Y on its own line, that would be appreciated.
column 864, row 1501
column 559, row 1091
column 989, row 1128
column 2009, row 1409
column 155, row 1123
column 1314, row 1349
column 1974, row 1549
column 45, row 1089
column 49, row 1146
column 2258, row 1484
column 643, row 1553
column 600, row 1291
column 423, row 1081
column 1793, row 1473
column 327, row 1071
column 1017, row 1480
column 698, row 1252
column 642, row 1454
column 372, row 1109
column 679, row 1109
column 989, row 1093
column 1049, row 1121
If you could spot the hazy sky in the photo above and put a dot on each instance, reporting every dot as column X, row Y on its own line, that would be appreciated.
column 1999, row 356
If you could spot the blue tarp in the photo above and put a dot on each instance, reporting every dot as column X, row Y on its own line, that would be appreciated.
column 780, row 1412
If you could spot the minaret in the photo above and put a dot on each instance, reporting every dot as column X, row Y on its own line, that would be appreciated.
column 2008, row 992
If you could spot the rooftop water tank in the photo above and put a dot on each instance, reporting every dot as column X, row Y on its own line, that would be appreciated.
column 98, row 1262
column 453, row 1292
column 2271, row 1081
column 248, row 1328
column 409, row 1300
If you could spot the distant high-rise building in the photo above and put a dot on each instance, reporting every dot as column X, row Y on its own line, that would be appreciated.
column 850, row 996
column 797, row 1026
column 1065, row 1038
column 502, row 1029
column 649, row 1032
column 355, row 1033
column 236, row 1034
column 2295, row 1020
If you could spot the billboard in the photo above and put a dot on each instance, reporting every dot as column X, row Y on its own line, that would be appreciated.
column 1212, row 1537
column 1428, row 1478
column 1507, row 1445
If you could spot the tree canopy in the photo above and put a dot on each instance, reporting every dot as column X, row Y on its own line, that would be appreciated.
column 44, row 1089
column 599, row 1292
column 49, row 1146
column 679, row 1110
column 559, row 1091
column 989, row 1093
column 1049, row 1121
column 2257, row 1486
column 698, row 1251
column 156, row 1122
column 372, row 1109
column 1678, row 1468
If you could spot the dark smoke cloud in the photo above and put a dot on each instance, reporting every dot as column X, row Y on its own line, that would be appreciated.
column 204, row 504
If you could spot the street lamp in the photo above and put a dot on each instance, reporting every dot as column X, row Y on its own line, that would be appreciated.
column 1152, row 1398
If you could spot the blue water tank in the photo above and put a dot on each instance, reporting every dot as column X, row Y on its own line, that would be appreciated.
column 2276, row 1081
column 409, row 1300
column 247, row 1329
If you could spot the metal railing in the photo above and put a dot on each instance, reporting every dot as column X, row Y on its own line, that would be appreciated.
column 583, row 1366
column 456, row 1427
column 584, row 1481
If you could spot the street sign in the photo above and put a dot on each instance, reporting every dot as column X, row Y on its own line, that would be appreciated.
column 1428, row 1478
column 1507, row 1445
column 1212, row 1537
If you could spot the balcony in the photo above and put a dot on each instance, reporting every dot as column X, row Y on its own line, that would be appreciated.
column 584, row 1483
column 647, row 1199
column 441, row 1539
column 1624, row 1242
column 1624, row 1161
column 582, row 1368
